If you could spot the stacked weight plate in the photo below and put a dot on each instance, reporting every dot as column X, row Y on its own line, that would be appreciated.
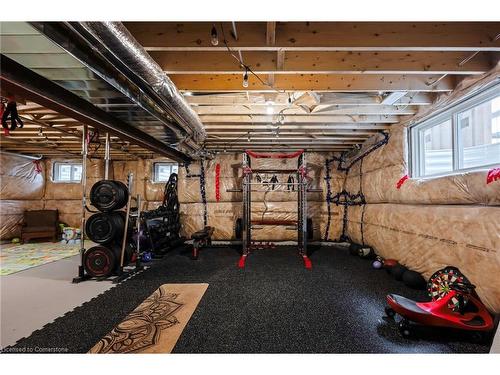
column 106, row 228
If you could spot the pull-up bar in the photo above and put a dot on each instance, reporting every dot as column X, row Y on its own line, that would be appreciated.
column 274, row 155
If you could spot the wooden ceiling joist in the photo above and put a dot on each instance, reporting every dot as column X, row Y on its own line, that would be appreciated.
column 258, row 99
column 316, row 82
column 320, row 110
column 341, row 62
column 298, row 119
column 322, row 36
column 303, row 127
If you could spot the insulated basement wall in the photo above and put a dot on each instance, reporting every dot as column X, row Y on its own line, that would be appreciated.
column 428, row 224
column 270, row 204
column 24, row 187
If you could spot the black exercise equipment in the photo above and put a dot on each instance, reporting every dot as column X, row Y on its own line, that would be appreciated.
column 109, row 195
column 99, row 261
column 105, row 227
column 162, row 225
column 10, row 114
column 366, row 252
column 354, row 248
column 200, row 239
column 397, row 271
column 414, row 280
column 304, row 231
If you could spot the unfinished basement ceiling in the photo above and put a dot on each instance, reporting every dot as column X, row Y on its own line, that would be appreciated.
column 320, row 85
column 52, row 133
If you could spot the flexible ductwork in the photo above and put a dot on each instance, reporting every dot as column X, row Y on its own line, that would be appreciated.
column 118, row 41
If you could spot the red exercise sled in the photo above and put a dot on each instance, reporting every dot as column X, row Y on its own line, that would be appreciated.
column 455, row 304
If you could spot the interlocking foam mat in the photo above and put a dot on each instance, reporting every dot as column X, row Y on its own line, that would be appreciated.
column 21, row 257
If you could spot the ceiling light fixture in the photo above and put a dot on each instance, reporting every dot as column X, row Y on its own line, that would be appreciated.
column 245, row 78
column 269, row 108
column 214, row 38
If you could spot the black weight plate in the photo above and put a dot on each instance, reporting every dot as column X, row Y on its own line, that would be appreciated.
column 105, row 227
column 99, row 261
column 109, row 195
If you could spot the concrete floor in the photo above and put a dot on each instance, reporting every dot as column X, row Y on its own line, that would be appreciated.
column 36, row 296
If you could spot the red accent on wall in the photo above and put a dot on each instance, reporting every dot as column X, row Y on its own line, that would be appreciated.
column 217, row 182
column 401, row 181
column 493, row 175
column 274, row 155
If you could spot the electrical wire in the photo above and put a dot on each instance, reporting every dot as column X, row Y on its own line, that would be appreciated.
column 242, row 64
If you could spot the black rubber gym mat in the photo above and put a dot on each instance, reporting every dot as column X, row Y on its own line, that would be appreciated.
column 274, row 305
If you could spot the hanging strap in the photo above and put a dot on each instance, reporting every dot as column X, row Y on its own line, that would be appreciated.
column 217, row 182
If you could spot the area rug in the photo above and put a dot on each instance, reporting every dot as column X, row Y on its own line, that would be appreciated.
column 20, row 257
column 156, row 324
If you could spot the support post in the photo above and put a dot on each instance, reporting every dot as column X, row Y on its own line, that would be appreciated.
column 138, row 264
column 247, row 226
column 302, row 211
column 106, row 157
column 124, row 240
column 81, row 268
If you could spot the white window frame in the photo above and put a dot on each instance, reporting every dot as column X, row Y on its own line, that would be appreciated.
column 55, row 172
column 154, row 174
column 416, row 154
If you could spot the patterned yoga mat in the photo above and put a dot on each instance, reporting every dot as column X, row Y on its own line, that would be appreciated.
column 156, row 324
column 20, row 257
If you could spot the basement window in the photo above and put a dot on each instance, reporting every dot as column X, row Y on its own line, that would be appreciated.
column 464, row 137
column 67, row 172
column 163, row 170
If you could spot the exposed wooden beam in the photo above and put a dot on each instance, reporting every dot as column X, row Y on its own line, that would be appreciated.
column 270, row 33
column 320, row 110
column 345, row 132
column 317, row 36
column 282, row 138
column 313, row 82
column 238, row 149
column 304, row 127
column 298, row 119
column 4, row 143
column 259, row 99
column 270, row 41
column 288, row 143
column 341, row 62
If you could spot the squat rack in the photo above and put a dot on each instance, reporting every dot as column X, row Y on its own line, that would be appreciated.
column 301, row 223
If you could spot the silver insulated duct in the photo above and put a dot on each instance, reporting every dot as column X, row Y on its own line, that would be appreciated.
column 118, row 41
